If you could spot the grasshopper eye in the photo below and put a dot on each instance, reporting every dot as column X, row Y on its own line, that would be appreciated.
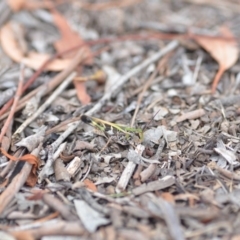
column 86, row 119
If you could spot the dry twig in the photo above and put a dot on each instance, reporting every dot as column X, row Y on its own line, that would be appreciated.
column 123, row 79
column 15, row 102
column 40, row 110
column 140, row 96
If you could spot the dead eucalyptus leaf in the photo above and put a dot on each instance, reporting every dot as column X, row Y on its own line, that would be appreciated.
column 30, row 158
column 17, row 5
column 9, row 43
column 224, row 51
column 69, row 38
column 82, row 94
column 33, row 60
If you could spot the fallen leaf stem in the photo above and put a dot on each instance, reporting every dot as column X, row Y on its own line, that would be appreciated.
column 217, row 78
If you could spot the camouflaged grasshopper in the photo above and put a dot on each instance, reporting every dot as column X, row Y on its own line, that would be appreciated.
column 105, row 126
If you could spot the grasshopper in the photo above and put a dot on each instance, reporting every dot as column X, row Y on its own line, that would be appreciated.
column 105, row 125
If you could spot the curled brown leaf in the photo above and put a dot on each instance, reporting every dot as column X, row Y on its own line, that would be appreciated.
column 224, row 51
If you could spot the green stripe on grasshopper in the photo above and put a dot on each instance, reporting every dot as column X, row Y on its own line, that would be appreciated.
column 102, row 125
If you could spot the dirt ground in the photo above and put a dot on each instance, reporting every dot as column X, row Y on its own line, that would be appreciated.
column 119, row 120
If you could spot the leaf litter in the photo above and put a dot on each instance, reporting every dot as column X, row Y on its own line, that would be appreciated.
column 142, row 149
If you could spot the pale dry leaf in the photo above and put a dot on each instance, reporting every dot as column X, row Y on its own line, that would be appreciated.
column 16, row 5
column 90, row 218
column 69, row 38
column 159, row 113
column 227, row 154
column 224, row 51
column 9, row 43
column 169, row 136
column 19, row 33
column 152, row 135
column 32, row 141
column 60, row 171
column 33, row 60
column 82, row 94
